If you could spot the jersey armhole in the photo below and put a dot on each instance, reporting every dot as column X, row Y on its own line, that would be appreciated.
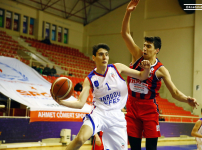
column 118, row 72
column 155, row 73
column 91, row 85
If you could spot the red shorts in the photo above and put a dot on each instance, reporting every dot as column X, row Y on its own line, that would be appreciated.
column 142, row 118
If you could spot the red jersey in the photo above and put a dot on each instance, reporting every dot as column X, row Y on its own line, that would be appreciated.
column 147, row 89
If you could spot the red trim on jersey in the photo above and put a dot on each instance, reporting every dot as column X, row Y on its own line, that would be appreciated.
column 118, row 72
column 101, row 74
column 90, row 84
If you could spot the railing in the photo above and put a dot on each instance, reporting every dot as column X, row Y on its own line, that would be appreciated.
column 170, row 118
column 192, row 118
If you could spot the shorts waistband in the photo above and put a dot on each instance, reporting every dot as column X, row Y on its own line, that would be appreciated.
column 140, row 100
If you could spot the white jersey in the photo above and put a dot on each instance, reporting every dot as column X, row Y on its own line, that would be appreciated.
column 199, row 140
column 110, row 95
column 109, row 90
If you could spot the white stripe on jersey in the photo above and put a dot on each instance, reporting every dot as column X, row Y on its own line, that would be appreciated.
column 109, row 90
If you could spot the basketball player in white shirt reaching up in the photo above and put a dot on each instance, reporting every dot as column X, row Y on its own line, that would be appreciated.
column 110, row 95
column 197, row 132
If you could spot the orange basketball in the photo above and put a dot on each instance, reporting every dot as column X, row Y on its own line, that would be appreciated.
column 62, row 88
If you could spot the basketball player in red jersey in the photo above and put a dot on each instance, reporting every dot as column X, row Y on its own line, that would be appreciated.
column 142, row 110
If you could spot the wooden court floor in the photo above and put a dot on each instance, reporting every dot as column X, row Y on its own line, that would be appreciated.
column 177, row 145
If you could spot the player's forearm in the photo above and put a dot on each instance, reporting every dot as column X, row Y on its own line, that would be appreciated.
column 72, row 104
column 179, row 96
column 126, row 24
column 144, row 74
column 195, row 134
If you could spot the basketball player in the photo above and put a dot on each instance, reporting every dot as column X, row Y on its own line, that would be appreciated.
column 142, row 110
column 110, row 96
column 197, row 132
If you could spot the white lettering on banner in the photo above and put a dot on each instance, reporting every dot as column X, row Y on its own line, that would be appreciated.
column 79, row 115
column 46, row 115
column 1, row 12
column 61, row 115
column 138, row 86
column 65, row 115
column 53, row 27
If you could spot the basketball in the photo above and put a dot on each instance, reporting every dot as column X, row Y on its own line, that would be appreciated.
column 62, row 88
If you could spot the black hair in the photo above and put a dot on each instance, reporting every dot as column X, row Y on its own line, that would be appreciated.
column 98, row 46
column 155, row 40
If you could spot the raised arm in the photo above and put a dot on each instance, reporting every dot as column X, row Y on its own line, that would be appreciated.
column 141, row 75
column 178, row 95
column 125, row 32
column 195, row 129
column 82, row 97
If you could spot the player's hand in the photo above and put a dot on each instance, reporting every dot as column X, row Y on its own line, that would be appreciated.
column 132, row 5
column 192, row 102
column 55, row 98
column 98, row 141
column 145, row 64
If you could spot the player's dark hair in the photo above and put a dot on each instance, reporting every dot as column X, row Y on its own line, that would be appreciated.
column 155, row 40
column 98, row 46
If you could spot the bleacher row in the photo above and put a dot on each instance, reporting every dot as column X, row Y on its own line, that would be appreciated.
column 71, row 60
column 75, row 62
column 9, row 47
column 169, row 108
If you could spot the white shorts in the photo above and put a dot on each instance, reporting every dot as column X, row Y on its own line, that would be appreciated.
column 113, row 125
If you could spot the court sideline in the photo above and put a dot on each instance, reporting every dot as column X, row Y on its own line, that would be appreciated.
column 181, row 143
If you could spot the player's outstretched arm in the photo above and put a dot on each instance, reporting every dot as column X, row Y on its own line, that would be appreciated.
column 195, row 129
column 141, row 75
column 178, row 95
column 125, row 31
column 82, row 97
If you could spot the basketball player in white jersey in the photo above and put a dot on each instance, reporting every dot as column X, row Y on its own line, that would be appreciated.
column 110, row 95
column 197, row 132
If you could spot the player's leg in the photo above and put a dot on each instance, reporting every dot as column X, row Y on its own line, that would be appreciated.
column 135, row 143
column 151, row 143
column 134, row 125
column 134, row 130
column 115, row 138
column 150, row 119
column 84, row 134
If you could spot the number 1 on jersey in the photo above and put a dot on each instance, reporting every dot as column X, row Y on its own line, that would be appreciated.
column 108, row 87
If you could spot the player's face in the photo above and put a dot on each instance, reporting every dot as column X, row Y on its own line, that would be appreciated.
column 101, row 58
column 149, row 51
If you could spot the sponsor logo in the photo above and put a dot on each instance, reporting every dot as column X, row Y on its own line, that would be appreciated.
column 122, row 145
column 33, row 93
column 19, row 76
column 96, row 83
column 113, row 75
